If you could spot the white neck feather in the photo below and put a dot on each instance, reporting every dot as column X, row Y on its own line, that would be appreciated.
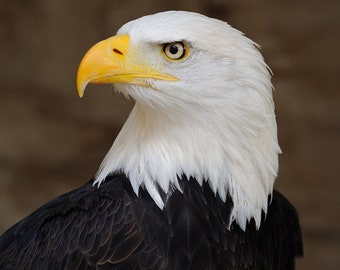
column 238, row 157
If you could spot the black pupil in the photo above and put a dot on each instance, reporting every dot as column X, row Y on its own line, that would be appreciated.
column 174, row 49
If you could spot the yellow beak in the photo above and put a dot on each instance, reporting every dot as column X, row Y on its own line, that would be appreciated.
column 111, row 61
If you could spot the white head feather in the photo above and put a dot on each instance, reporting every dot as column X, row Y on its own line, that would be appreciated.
column 216, row 123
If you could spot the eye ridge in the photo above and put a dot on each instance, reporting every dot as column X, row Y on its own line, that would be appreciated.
column 174, row 50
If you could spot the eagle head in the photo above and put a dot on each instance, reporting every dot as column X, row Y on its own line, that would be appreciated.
column 204, row 109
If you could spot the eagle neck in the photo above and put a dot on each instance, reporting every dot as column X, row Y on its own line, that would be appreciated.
column 155, row 148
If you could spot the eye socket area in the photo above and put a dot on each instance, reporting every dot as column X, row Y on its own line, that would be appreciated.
column 175, row 50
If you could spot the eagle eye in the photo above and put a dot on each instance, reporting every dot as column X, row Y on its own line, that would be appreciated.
column 174, row 50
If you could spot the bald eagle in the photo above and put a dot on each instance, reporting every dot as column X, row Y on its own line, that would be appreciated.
column 188, row 182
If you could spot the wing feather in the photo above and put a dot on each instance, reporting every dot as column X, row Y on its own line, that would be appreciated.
column 111, row 228
column 84, row 227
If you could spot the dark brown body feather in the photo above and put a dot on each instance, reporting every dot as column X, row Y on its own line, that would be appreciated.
column 111, row 228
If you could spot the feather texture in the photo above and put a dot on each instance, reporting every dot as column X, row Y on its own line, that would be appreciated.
column 111, row 228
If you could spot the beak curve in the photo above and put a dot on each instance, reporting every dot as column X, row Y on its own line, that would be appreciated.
column 111, row 61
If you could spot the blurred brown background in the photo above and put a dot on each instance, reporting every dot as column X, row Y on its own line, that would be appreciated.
column 51, row 141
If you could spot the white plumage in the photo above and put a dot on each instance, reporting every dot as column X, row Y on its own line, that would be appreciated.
column 216, row 123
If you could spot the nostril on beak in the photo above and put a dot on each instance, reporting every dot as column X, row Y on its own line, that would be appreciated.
column 117, row 51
